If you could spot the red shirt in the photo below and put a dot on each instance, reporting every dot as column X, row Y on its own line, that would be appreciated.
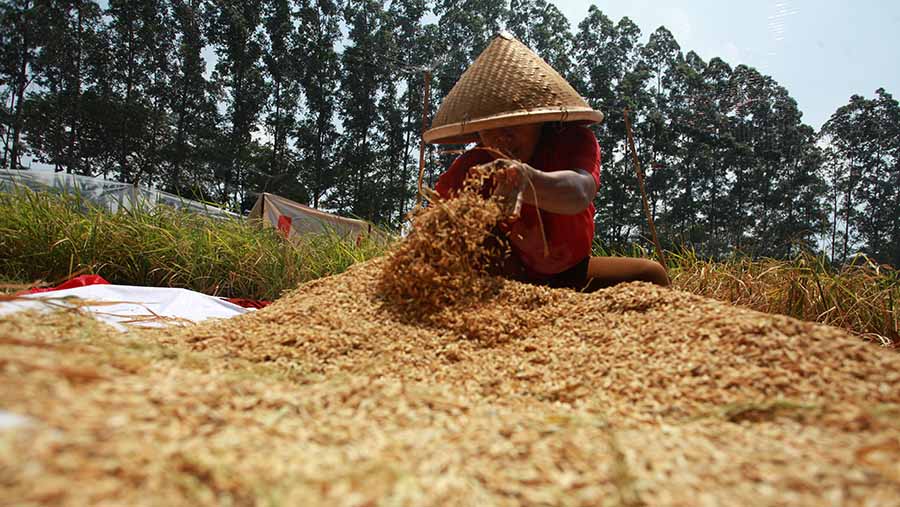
column 569, row 237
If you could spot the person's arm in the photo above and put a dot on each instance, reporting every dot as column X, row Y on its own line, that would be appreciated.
column 564, row 192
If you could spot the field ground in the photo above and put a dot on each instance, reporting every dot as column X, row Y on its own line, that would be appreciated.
column 338, row 395
column 631, row 396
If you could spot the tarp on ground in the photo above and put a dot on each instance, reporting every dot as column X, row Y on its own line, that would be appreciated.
column 111, row 195
column 294, row 219
column 122, row 305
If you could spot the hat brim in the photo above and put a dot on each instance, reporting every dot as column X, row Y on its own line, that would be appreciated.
column 467, row 132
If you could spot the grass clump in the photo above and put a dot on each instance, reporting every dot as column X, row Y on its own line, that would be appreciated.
column 861, row 296
column 51, row 237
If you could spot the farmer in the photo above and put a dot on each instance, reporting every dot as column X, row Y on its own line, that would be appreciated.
column 513, row 103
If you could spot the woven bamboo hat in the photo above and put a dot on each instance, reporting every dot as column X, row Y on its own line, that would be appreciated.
column 507, row 85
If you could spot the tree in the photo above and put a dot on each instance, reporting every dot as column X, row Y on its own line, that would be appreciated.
column 235, row 31
column 606, row 54
column 726, row 153
column 318, row 22
column 366, row 70
column 283, row 70
column 358, row 89
column 863, row 162
column 693, row 136
column 660, row 59
column 189, row 147
column 411, row 50
column 68, row 62
column 18, row 27
column 139, row 43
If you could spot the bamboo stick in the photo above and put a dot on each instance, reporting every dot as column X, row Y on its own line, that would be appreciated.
column 640, row 177
column 419, row 195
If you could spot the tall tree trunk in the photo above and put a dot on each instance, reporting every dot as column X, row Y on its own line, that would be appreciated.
column 848, row 200
column 236, row 133
column 126, row 112
column 179, row 155
column 21, row 85
column 834, row 223
column 72, row 155
column 7, row 132
column 275, row 163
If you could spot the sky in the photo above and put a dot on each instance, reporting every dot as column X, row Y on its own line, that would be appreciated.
column 822, row 51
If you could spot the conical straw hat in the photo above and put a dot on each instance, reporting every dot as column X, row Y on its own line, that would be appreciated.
column 507, row 85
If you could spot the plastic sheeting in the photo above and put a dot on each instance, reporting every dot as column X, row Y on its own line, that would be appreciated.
column 9, row 420
column 121, row 305
column 111, row 195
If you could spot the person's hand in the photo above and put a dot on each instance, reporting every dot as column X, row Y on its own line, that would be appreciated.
column 509, row 184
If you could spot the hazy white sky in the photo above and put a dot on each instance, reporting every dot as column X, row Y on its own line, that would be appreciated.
column 822, row 51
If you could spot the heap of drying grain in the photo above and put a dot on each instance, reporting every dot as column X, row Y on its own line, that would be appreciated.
column 451, row 251
column 343, row 393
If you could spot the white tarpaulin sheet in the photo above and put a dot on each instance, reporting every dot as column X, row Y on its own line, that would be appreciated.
column 111, row 195
column 121, row 305
column 9, row 420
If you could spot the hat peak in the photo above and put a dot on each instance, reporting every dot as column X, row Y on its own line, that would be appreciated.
column 507, row 85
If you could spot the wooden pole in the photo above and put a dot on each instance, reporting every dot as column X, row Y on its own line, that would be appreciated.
column 640, row 177
column 422, row 139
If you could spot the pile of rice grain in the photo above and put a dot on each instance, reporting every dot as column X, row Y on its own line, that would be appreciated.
column 342, row 393
column 449, row 254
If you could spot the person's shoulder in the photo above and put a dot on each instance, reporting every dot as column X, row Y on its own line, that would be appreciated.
column 576, row 146
column 452, row 179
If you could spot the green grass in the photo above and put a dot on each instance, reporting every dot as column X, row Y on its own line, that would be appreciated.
column 50, row 237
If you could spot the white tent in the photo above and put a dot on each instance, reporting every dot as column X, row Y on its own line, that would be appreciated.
column 111, row 195
column 294, row 219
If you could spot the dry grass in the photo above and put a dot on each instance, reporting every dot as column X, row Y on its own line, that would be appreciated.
column 862, row 297
column 46, row 238
column 341, row 394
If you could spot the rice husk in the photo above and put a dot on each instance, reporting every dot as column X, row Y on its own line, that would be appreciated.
column 346, row 393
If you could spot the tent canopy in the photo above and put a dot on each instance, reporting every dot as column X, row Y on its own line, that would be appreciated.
column 294, row 219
